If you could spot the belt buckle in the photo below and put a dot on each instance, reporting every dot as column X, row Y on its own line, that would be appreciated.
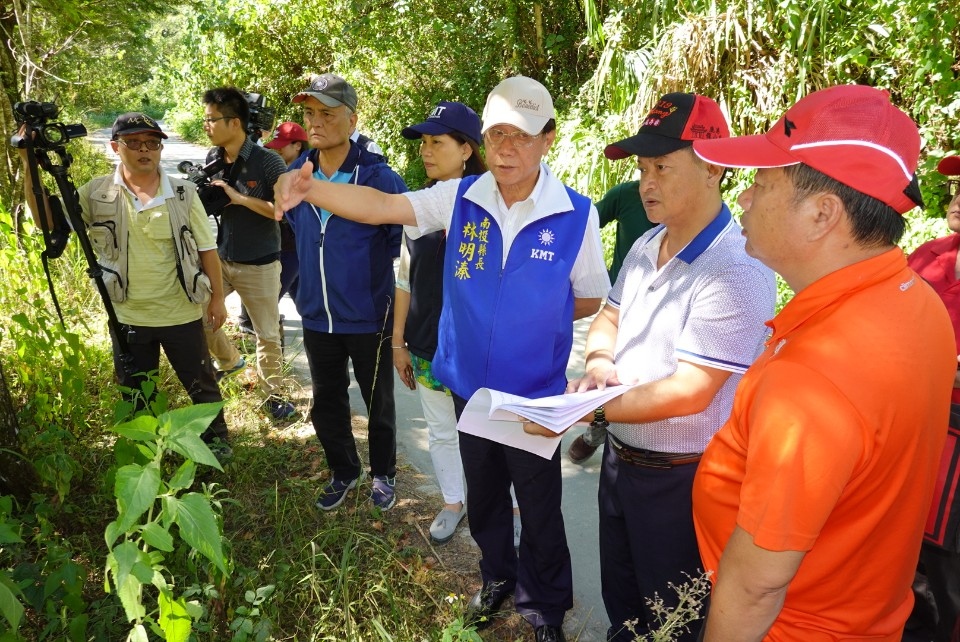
column 636, row 458
column 653, row 462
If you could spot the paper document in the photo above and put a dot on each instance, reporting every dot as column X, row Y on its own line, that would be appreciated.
column 496, row 416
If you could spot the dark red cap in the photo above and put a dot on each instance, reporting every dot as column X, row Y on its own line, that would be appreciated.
column 949, row 166
column 851, row 133
column 285, row 134
column 674, row 123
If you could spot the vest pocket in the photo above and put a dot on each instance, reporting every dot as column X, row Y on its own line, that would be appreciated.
column 103, row 237
column 195, row 283
column 114, row 284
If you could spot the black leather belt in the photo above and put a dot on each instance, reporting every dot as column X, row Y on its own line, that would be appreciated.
column 650, row 458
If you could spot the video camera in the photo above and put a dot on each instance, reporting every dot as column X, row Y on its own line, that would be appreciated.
column 261, row 116
column 45, row 141
column 213, row 197
column 45, row 134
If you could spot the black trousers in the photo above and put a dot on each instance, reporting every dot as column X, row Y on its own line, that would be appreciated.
column 542, row 576
column 647, row 540
column 186, row 349
column 327, row 355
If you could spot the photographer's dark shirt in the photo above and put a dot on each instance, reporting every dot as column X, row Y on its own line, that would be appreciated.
column 248, row 237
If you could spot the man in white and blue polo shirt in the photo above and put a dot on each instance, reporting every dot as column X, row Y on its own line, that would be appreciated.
column 685, row 319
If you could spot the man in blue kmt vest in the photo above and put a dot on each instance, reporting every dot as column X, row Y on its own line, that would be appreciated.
column 523, row 261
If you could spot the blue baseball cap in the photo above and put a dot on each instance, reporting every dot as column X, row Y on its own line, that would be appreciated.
column 447, row 117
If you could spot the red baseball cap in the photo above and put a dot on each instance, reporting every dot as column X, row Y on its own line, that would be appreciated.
column 285, row 134
column 851, row 133
column 949, row 166
column 674, row 123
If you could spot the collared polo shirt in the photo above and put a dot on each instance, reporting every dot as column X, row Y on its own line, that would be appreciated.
column 832, row 449
column 936, row 262
column 707, row 305
column 433, row 208
column 155, row 297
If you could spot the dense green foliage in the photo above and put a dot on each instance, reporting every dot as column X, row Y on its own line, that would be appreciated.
column 282, row 572
column 604, row 61
column 162, row 563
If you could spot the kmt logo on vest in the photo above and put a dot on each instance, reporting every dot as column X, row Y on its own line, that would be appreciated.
column 547, row 237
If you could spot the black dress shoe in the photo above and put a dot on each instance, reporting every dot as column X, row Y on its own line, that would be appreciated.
column 485, row 604
column 547, row 633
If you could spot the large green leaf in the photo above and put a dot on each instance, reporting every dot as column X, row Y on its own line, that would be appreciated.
column 121, row 561
column 199, row 529
column 157, row 537
column 184, row 476
column 174, row 619
column 138, row 634
column 183, row 428
column 111, row 533
column 192, row 419
column 9, row 535
column 10, row 606
column 136, row 490
column 142, row 428
column 192, row 447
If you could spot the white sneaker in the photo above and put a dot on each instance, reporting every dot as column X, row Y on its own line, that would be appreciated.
column 445, row 524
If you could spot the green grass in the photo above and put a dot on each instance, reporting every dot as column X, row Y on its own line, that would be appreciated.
column 297, row 573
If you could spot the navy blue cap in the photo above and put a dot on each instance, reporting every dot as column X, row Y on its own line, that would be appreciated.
column 447, row 117
column 135, row 123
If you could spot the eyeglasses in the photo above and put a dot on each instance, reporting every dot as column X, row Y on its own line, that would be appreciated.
column 210, row 121
column 137, row 145
column 496, row 137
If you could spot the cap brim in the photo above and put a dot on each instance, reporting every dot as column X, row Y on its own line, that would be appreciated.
column 645, row 146
column 532, row 125
column 325, row 99
column 414, row 132
column 743, row 151
column 949, row 166
column 147, row 130
column 278, row 143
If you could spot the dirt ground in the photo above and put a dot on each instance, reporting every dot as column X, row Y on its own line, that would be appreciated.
column 418, row 501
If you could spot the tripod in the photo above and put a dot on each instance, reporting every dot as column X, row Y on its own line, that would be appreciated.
column 55, row 160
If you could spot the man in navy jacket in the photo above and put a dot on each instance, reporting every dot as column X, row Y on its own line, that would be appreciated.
column 345, row 297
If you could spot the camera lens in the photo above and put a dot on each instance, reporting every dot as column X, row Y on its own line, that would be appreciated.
column 54, row 134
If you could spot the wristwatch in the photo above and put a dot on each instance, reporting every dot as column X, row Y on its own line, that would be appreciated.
column 599, row 419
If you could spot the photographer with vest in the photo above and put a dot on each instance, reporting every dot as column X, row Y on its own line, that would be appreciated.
column 249, row 241
column 160, row 265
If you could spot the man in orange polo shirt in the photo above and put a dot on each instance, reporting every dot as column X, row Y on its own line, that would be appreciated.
column 809, row 503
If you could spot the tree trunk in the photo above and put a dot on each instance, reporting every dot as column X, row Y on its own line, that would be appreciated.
column 9, row 94
column 17, row 476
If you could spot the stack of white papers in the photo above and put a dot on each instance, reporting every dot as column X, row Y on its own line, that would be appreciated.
column 497, row 416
